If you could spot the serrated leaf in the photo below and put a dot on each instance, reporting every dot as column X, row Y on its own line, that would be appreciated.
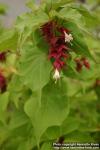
column 28, row 22
column 53, row 110
column 31, row 20
column 35, row 68
column 73, row 15
column 55, row 4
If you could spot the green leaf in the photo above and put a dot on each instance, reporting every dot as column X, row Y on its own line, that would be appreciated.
column 47, row 146
column 88, row 15
column 28, row 143
column 18, row 119
column 73, row 86
column 70, row 70
column 78, row 43
column 24, row 146
column 80, row 47
column 28, row 22
column 53, row 110
column 69, row 125
column 77, row 136
column 35, row 68
column 11, row 144
column 51, row 133
column 8, row 40
column 15, row 85
column 4, row 133
column 3, row 8
column 4, row 99
column 32, row 5
column 50, row 4
column 73, row 15
column 31, row 20
column 15, row 89
column 39, row 41
column 24, row 35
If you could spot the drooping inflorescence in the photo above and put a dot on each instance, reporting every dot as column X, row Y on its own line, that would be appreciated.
column 59, row 38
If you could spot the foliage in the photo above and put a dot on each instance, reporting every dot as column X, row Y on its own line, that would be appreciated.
column 3, row 8
column 34, row 111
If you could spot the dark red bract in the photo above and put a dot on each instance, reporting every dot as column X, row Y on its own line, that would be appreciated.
column 2, row 56
column 47, row 30
column 58, row 49
column 80, row 62
column 3, row 84
column 86, row 62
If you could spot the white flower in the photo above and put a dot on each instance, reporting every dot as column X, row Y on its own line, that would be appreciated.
column 68, row 37
column 56, row 75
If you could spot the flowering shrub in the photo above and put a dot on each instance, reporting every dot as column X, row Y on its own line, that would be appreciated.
column 49, row 78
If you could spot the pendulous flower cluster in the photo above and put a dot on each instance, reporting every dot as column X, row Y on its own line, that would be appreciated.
column 59, row 39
